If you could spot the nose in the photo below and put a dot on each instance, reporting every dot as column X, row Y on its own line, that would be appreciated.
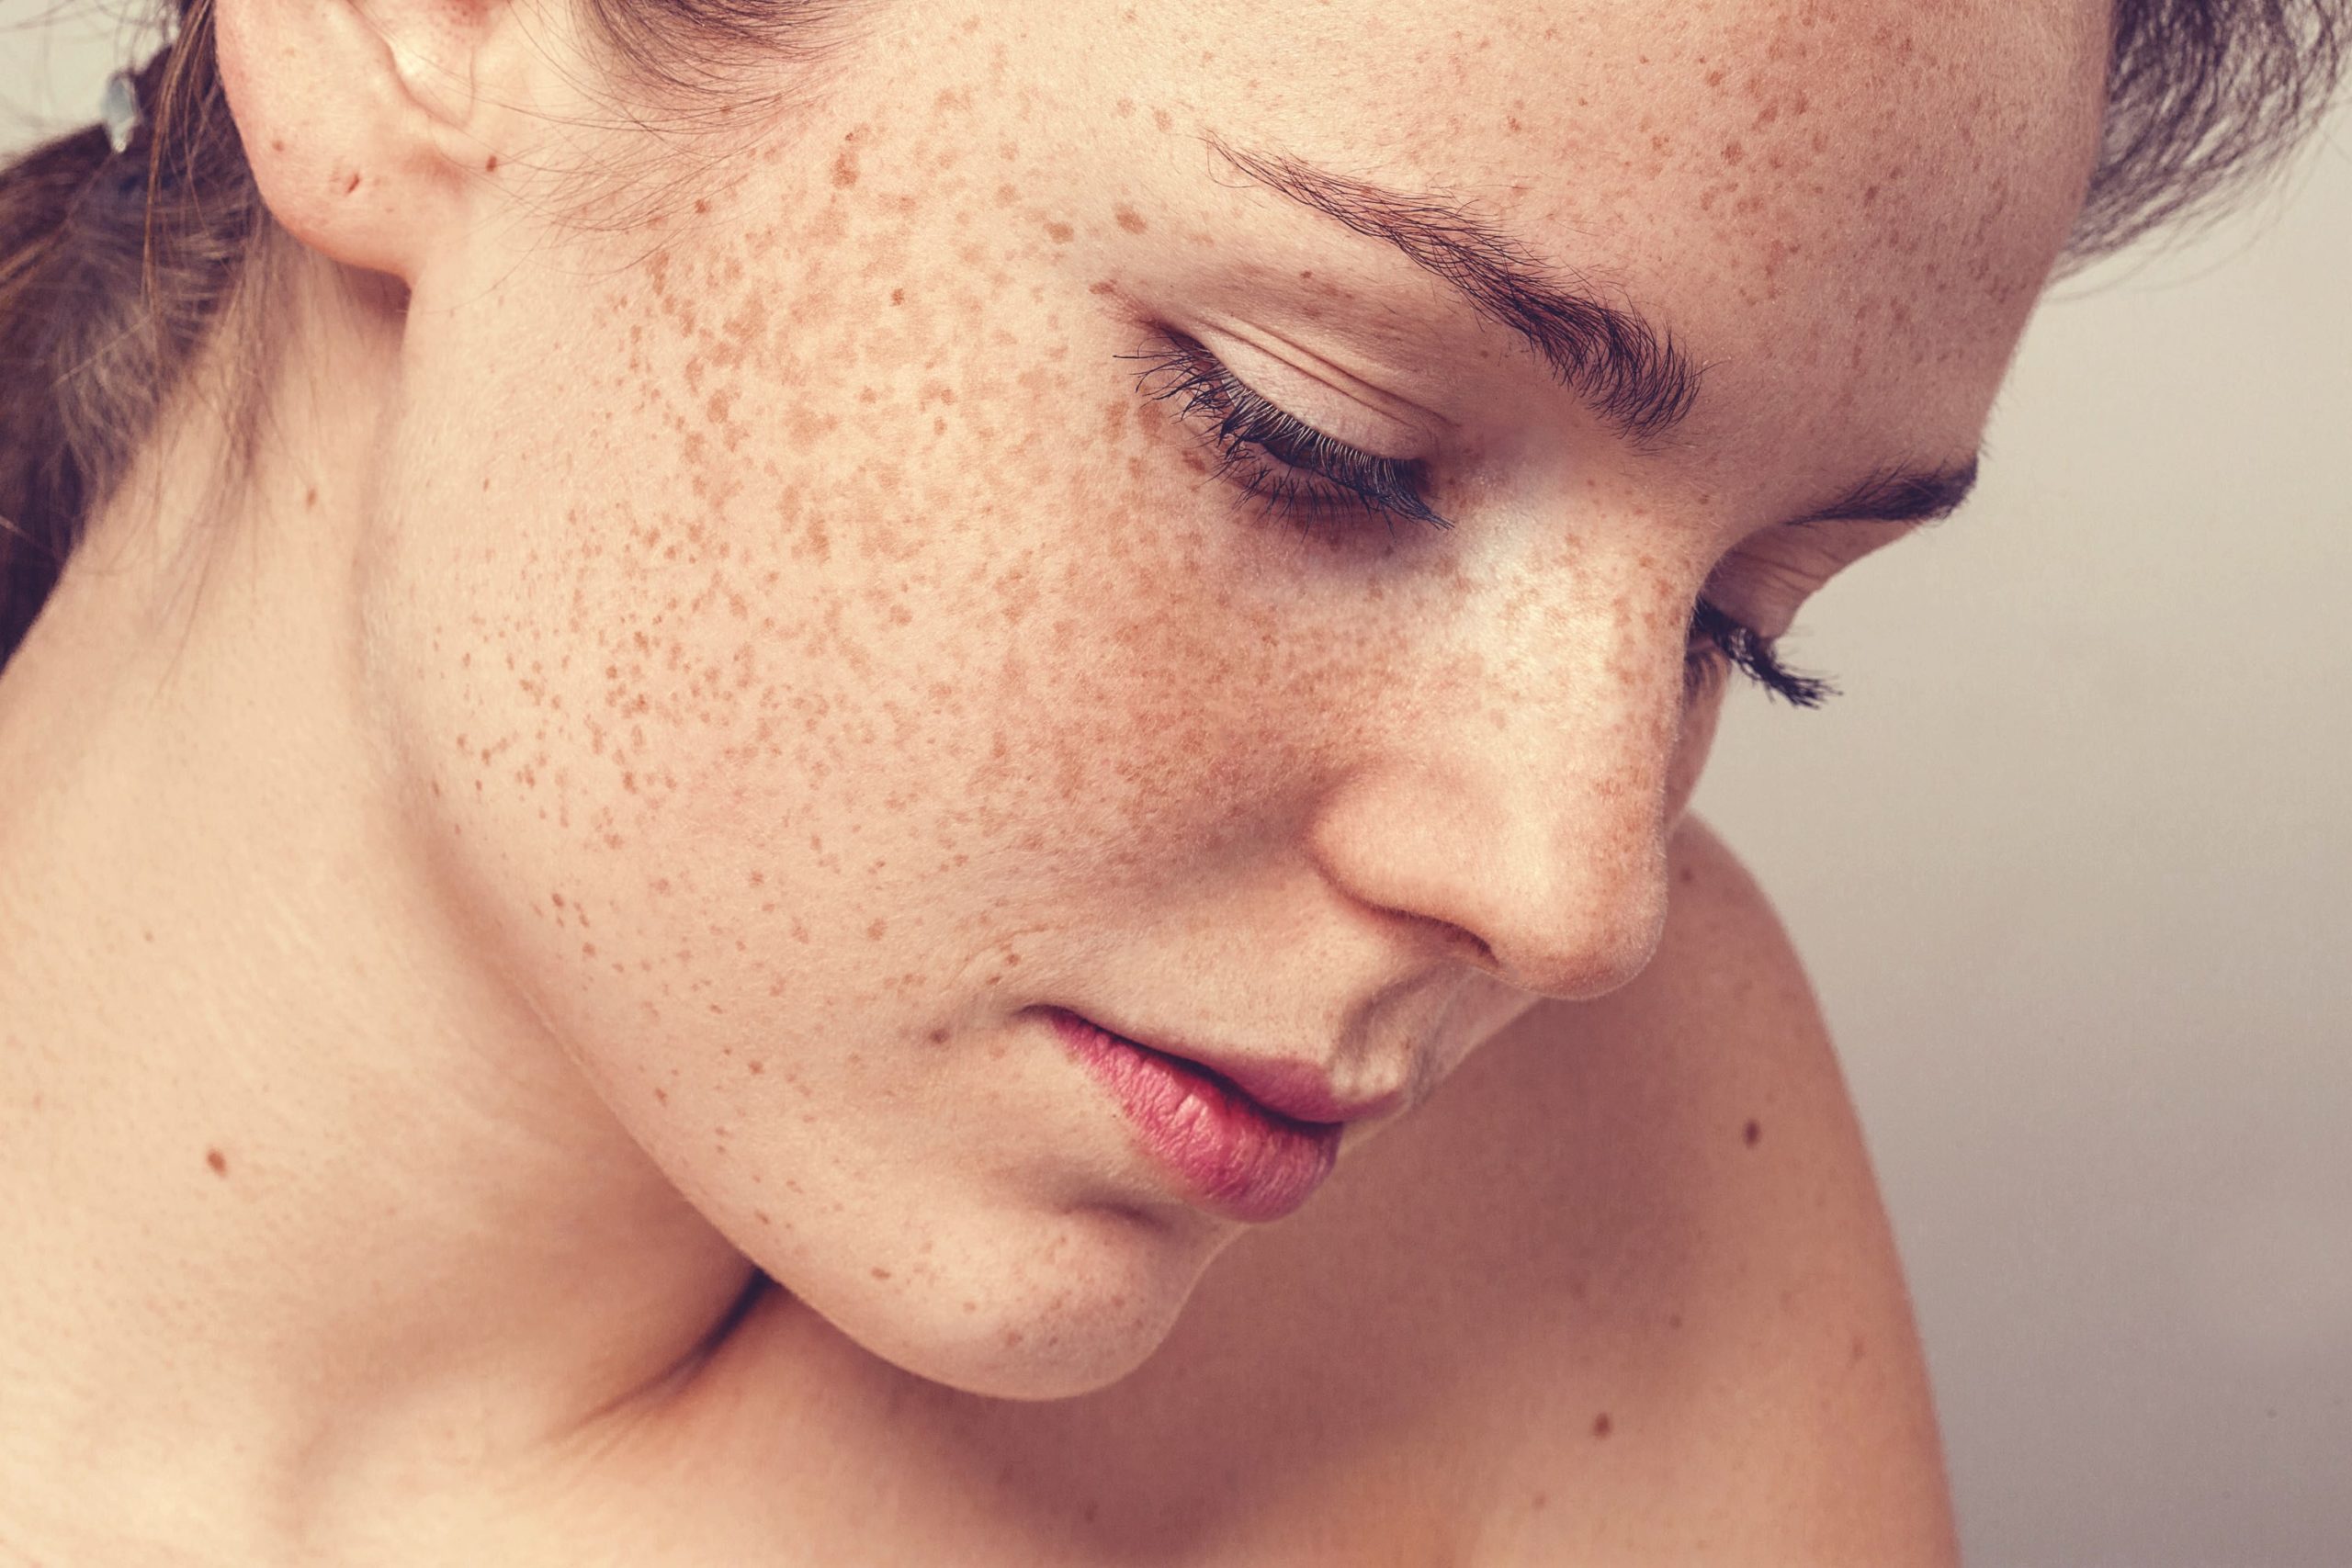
column 1528, row 815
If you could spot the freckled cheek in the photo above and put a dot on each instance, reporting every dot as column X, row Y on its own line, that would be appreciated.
column 1117, row 697
column 951, row 644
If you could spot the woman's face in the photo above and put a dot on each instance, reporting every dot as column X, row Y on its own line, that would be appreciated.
column 813, row 650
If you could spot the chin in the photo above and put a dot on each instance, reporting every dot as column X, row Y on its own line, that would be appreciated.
column 1041, row 1366
column 1066, row 1318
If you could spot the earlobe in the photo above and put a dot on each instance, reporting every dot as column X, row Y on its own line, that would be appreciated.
column 352, row 119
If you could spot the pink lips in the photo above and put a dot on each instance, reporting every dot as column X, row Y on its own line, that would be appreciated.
column 1234, row 1155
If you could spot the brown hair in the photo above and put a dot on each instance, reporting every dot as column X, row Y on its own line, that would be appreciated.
column 113, row 269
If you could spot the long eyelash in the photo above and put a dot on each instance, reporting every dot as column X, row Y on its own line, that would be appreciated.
column 1716, row 635
column 1300, row 465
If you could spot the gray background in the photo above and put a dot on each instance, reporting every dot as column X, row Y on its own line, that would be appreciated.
column 2068, row 865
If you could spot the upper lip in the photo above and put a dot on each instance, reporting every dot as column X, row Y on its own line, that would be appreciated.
column 1294, row 1087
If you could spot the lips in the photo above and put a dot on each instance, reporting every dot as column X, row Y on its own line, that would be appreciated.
column 1223, row 1147
column 1297, row 1091
column 1293, row 1089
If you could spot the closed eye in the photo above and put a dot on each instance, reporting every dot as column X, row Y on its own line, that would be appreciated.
column 1302, row 472
column 1273, row 454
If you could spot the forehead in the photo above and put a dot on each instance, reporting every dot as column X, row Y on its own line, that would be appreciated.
column 1843, row 209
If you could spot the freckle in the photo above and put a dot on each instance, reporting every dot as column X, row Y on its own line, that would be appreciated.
column 873, row 931
column 149, row 934
column 880, row 1273
column 1855, row 1357
column 1130, row 219
column 311, row 500
column 489, row 165
column 844, row 169
column 1733, row 151
column 1162, row 118
column 1014, row 1336
column 762, row 1215
column 758, row 1066
column 276, row 146
column 939, row 1037
column 1540, row 1501
column 1675, row 1321
column 662, row 1095
column 1601, row 1424
column 218, row 1161
column 1750, row 1132
column 897, row 297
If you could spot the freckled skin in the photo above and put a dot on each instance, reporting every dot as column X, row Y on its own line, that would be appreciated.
column 822, row 619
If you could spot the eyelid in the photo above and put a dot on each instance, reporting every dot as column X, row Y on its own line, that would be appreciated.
column 1324, row 395
column 1271, row 452
column 1769, row 578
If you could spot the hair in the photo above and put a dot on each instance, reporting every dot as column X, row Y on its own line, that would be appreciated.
column 114, row 270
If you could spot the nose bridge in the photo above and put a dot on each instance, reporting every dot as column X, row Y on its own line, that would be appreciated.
column 1527, row 805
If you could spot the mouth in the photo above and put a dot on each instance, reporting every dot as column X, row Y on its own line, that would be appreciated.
column 1225, row 1149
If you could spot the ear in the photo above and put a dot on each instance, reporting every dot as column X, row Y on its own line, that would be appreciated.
column 369, row 123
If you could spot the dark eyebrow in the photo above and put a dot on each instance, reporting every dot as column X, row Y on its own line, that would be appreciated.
column 1630, row 374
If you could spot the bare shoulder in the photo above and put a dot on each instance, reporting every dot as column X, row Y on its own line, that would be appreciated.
column 1631, row 1262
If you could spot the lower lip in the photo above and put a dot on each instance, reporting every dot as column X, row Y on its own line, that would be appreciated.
column 1234, row 1156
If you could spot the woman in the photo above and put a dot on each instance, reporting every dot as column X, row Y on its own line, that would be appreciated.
column 760, row 715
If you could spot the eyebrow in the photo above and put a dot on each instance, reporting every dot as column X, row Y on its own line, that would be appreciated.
column 1630, row 374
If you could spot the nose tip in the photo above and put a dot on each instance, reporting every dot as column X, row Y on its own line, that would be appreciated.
column 1566, row 903
column 1571, row 925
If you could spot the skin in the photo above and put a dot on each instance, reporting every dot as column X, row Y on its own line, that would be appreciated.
column 717, row 638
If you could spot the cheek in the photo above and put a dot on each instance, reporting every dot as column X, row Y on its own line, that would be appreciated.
column 811, row 617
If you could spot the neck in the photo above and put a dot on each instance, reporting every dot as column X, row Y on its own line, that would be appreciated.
column 299, row 1190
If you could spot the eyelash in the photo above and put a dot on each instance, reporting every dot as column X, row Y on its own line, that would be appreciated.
column 1294, row 467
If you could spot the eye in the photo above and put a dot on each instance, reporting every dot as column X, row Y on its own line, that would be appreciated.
column 1718, row 642
column 1300, row 471
column 1297, row 469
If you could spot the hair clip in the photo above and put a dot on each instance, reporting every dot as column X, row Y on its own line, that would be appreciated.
column 118, row 109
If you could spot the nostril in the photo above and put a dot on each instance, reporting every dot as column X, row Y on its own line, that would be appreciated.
column 1466, row 946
